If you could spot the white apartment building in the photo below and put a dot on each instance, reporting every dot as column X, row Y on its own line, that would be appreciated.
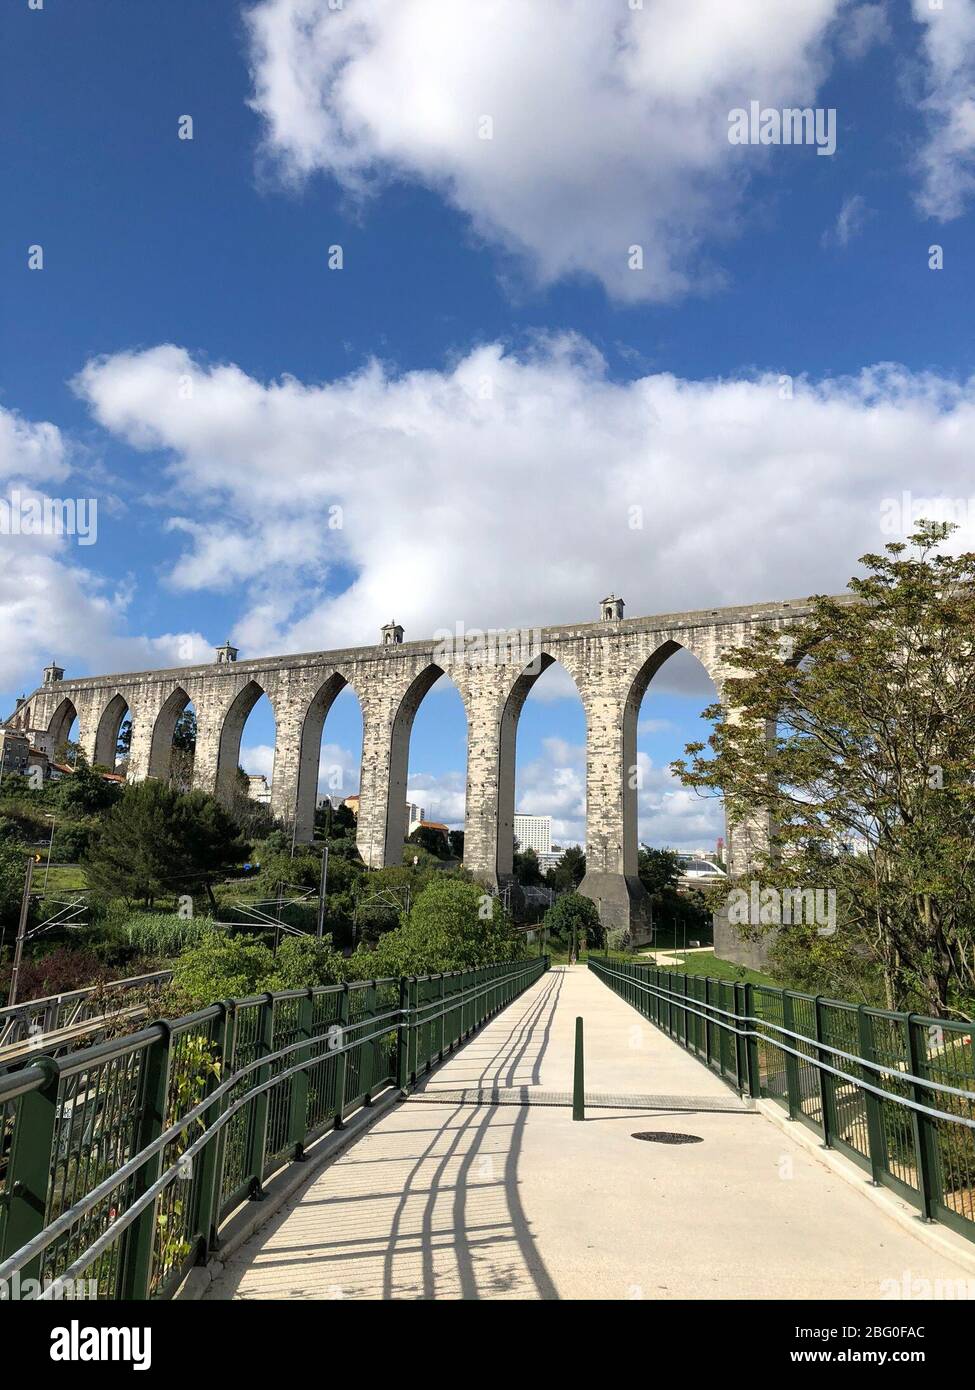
column 534, row 832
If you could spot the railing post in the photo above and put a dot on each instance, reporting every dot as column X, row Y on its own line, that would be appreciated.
column 823, row 1076
column 403, row 1036
column 443, row 1017
column 259, row 1105
column 298, row 1119
column 31, row 1163
column 367, row 1067
column 342, row 1058
column 925, row 1129
column 751, row 1042
column 708, row 1033
column 741, row 1054
column 578, row 1077
column 140, row 1239
column 791, row 1062
column 875, row 1131
column 205, row 1217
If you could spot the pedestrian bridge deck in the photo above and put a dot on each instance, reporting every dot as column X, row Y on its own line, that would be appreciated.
column 467, row 1195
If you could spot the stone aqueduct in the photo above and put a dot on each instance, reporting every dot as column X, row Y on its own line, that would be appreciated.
column 612, row 661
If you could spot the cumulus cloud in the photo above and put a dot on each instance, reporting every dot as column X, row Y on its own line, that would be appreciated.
column 566, row 131
column 51, row 605
column 516, row 489
column 947, row 161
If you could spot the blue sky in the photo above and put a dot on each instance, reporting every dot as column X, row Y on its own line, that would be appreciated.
column 469, row 261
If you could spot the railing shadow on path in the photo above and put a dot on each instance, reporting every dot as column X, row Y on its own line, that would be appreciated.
column 355, row 1247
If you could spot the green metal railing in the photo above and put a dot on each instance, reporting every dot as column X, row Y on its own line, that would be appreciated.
column 121, row 1163
column 894, row 1092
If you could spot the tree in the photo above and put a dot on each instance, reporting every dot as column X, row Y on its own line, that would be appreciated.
column 213, row 843
column 569, row 872
column 221, row 967
column 183, row 755
column 673, row 911
column 157, row 841
column 573, row 919
column 525, row 868
column 856, row 733
column 456, row 838
column 137, row 851
column 11, row 884
column 86, row 792
column 658, row 868
column 452, row 925
column 431, row 839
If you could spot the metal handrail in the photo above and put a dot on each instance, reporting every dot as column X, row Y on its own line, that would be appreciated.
column 342, row 1037
column 800, row 1037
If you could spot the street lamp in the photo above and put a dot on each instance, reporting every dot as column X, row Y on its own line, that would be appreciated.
column 50, row 848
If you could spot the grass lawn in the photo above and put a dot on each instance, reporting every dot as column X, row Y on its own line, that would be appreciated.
column 697, row 963
column 63, row 878
column 705, row 963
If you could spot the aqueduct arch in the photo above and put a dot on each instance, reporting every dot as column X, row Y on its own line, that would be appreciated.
column 611, row 660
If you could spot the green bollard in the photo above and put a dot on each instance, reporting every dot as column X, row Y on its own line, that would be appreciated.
column 578, row 1078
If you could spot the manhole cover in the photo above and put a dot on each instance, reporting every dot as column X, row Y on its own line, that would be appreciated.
column 665, row 1136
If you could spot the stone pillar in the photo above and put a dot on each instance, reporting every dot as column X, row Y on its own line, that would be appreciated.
column 488, row 826
column 372, row 827
column 143, row 711
column 89, row 708
column 612, row 880
column 301, row 712
column 210, row 712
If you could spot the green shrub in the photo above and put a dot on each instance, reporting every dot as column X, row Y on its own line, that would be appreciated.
column 452, row 925
column 220, row 967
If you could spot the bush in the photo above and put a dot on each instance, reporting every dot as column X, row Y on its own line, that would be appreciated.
column 70, row 843
column 617, row 938
column 220, row 967
column 233, row 967
column 453, row 925
column 303, row 961
column 11, row 884
column 59, row 972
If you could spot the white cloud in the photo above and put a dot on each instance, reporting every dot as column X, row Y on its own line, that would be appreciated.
column 609, row 123
column 502, row 491
column 850, row 222
column 51, row 605
column 862, row 27
column 554, row 783
column 947, row 161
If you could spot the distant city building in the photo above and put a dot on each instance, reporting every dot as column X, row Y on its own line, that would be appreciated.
column 534, row 832
column 414, row 813
column 549, row 860
column 14, row 751
column 257, row 788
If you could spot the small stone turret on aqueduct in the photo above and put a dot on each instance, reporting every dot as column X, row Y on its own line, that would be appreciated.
column 612, row 661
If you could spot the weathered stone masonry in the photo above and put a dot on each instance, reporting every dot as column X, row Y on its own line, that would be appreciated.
column 612, row 662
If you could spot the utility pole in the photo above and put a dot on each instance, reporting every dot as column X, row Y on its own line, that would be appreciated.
column 21, row 930
column 321, row 893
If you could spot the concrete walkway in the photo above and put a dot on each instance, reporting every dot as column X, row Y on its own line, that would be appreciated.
column 440, row 1200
